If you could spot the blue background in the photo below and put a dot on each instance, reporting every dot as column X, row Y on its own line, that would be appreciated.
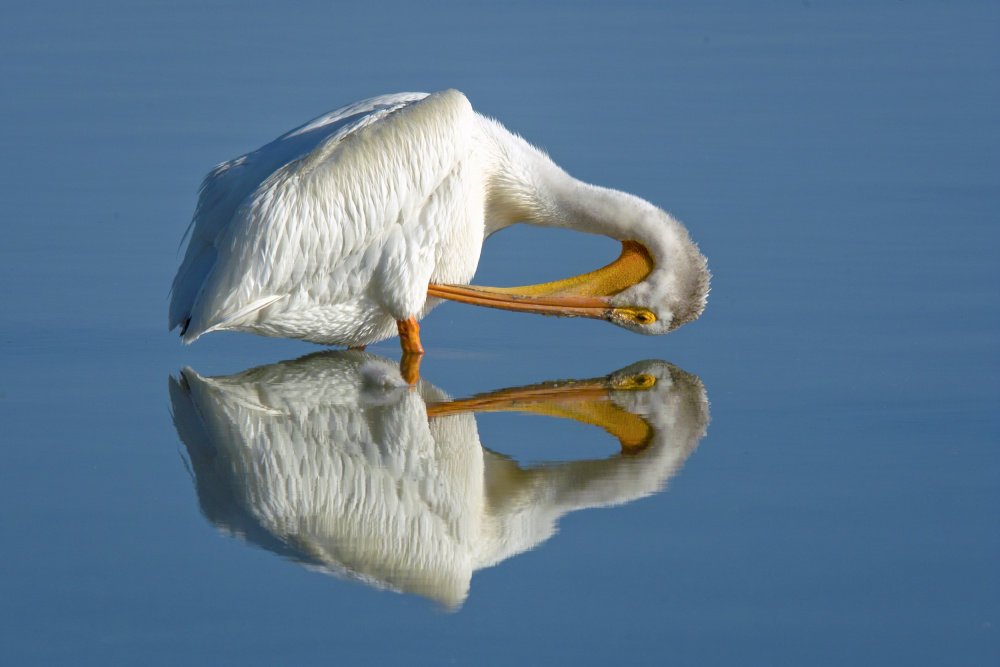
column 836, row 162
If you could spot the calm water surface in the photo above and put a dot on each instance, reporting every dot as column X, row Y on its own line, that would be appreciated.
column 812, row 479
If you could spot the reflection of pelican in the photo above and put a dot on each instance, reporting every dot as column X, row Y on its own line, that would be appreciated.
column 331, row 461
column 338, row 231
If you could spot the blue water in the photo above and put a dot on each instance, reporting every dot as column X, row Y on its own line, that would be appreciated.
column 837, row 164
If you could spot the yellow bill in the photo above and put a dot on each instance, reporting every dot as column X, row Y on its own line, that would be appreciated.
column 586, row 295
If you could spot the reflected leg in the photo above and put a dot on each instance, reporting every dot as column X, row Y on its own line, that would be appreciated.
column 409, row 339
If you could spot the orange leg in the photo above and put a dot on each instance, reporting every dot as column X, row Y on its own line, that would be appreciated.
column 409, row 336
column 357, row 348
column 409, row 339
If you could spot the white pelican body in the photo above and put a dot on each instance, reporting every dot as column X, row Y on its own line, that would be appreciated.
column 344, row 229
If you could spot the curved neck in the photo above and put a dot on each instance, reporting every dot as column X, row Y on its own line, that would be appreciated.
column 524, row 185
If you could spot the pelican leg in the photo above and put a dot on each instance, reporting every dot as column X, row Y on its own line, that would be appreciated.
column 357, row 348
column 409, row 336
column 413, row 351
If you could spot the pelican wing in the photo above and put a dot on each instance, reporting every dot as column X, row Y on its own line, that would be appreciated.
column 332, row 196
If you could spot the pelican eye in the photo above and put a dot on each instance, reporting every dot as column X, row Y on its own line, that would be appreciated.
column 641, row 381
column 641, row 316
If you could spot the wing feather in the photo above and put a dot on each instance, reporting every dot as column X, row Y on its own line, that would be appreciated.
column 313, row 230
column 227, row 186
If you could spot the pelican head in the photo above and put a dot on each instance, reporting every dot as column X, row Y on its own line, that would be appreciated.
column 674, row 287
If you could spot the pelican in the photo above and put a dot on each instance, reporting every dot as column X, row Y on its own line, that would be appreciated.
column 334, row 462
column 349, row 229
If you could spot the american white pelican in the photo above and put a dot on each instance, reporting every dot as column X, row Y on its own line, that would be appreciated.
column 331, row 461
column 353, row 226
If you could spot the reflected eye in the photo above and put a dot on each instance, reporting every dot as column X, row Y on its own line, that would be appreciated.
column 642, row 381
